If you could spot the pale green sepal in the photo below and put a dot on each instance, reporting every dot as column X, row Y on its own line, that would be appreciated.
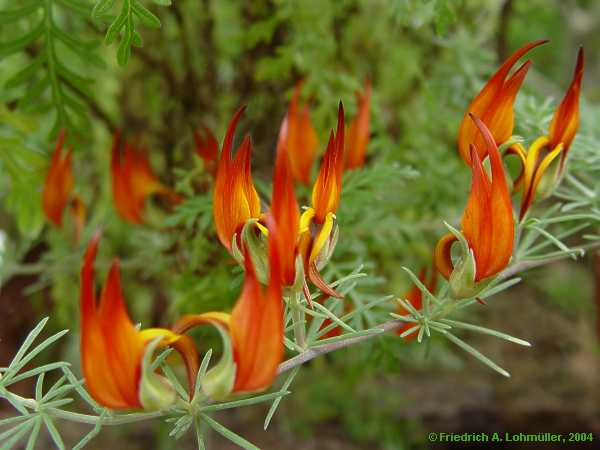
column 257, row 248
column 155, row 391
column 511, row 141
column 329, row 247
column 218, row 381
column 462, row 279
column 235, row 251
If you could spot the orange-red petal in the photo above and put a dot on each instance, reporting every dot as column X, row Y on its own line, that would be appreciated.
column 284, row 208
column 133, row 180
column 357, row 138
column 111, row 351
column 301, row 138
column 566, row 118
column 59, row 182
column 494, row 105
column 328, row 186
column 442, row 256
column 257, row 324
column 488, row 223
column 235, row 199
column 112, row 348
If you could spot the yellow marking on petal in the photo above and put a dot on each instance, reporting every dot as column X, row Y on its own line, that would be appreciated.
column 264, row 230
column 322, row 237
column 544, row 165
column 518, row 150
column 532, row 158
column 306, row 219
column 152, row 333
column 192, row 320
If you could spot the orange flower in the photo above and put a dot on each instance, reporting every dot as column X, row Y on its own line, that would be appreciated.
column 487, row 223
column 255, row 328
column 59, row 186
column 235, row 200
column 207, row 148
column 317, row 227
column 494, row 105
column 112, row 348
column 284, row 209
column 543, row 151
column 328, row 187
column 133, row 181
column 301, row 138
column 357, row 137
column 59, row 182
column 415, row 298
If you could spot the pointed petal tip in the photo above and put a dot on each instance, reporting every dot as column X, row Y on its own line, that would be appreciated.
column 580, row 60
column 92, row 248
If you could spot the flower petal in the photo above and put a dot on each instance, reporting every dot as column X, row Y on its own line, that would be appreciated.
column 328, row 186
column 566, row 118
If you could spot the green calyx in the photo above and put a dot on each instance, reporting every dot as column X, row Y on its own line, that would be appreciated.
column 252, row 238
column 155, row 391
column 462, row 279
column 218, row 381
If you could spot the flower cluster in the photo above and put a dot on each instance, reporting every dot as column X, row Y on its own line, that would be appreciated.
column 283, row 248
column 488, row 227
column 281, row 251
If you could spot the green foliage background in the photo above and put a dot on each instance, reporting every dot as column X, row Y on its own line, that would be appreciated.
column 158, row 70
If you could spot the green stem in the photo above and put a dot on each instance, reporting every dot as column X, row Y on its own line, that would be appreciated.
column 87, row 418
column 298, row 318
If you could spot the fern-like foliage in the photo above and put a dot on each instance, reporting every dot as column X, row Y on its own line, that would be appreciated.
column 47, row 81
column 132, row 13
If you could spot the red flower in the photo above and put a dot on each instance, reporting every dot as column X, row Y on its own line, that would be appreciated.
column 487, row 223
column 301, row 138
column 284, row 209
column 58, row 189
column 235, row 199
column 317, row 223
column 112, row 347
column 133, row 181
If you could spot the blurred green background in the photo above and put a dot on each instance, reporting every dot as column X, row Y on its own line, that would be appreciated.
column 426, row 60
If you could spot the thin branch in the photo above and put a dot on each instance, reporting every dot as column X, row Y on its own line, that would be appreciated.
column 391, row 325
column 318, row 350
column 522, row 266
